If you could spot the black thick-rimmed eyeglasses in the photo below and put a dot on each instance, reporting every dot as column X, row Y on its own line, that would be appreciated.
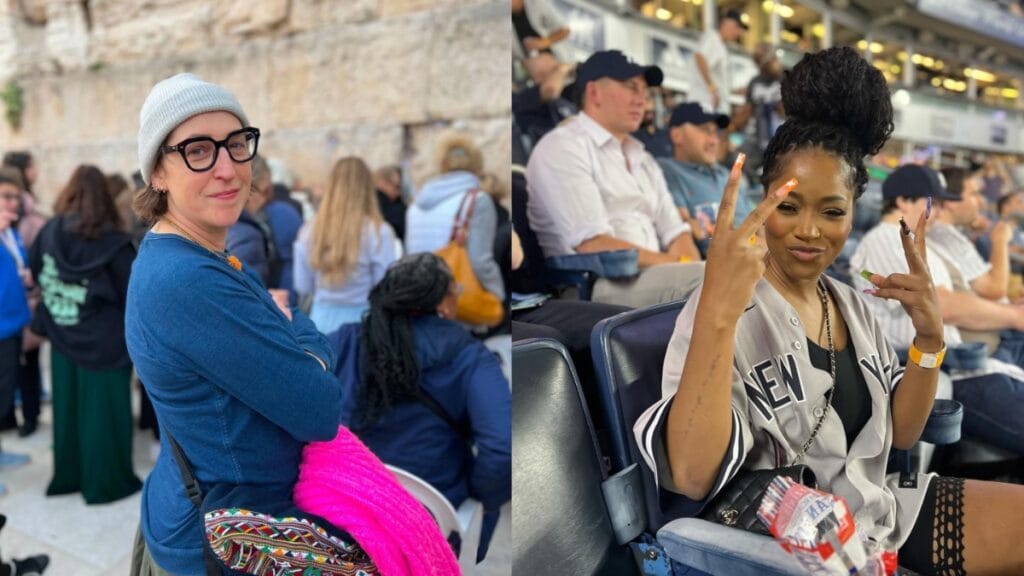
column 200, row 153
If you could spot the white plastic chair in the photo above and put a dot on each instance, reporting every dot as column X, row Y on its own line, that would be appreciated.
column 467, row 521
column 501, row 345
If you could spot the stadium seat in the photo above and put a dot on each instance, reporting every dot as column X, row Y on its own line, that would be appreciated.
column 579, row 271
column 629, row 350
column 564, row 526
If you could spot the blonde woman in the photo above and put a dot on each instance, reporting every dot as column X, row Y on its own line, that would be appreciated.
column 344, row 251
column 428, row 222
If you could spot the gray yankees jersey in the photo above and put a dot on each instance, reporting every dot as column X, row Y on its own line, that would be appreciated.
column 777, row 396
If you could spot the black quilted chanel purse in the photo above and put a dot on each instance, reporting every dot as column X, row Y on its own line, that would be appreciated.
column 736, row 505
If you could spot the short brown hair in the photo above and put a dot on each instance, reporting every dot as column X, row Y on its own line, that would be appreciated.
column 11, row 175
column 150, row 205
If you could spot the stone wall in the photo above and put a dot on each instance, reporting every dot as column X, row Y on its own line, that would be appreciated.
column 320, row 78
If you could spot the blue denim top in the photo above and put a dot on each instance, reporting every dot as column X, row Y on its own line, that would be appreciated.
column 229, row 378
column 694, row 184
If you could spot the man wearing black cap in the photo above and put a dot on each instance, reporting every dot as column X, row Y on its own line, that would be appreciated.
column 712, row 59
column 905, row 192
column 593, row 187
column 693, row 174
column 992, row 396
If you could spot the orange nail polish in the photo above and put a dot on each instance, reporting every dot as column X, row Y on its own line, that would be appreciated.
column 786, row 188
column 738, row 164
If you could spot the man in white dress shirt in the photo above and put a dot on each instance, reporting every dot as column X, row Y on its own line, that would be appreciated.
column 594, row 188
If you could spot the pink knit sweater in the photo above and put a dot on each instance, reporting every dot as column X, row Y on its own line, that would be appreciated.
column 343, row 482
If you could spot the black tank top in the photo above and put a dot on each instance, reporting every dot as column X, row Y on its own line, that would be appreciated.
column 851, row 399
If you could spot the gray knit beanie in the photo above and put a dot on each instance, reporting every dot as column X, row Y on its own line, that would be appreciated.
column 171, row 102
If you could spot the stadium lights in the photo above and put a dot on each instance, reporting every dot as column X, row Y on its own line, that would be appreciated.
column 979, row 75
column 790, row 36
column 996, row 91
column 954, row 85
column 781, row 9
column 875, row 47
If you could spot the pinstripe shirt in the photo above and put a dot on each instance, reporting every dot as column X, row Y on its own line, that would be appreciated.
column 876, row 253
column 777, row 395
column 881, row 252
column 958, row 250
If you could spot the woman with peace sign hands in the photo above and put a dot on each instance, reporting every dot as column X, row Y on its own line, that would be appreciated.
column 772, row 363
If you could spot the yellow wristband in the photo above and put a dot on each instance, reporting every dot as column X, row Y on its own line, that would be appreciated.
column 684, row 259
column 927, row 359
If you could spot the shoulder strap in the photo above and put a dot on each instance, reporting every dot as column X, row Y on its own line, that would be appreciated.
column 192, row 489
column 460, row 428
column 195, row 495
column 461, row 223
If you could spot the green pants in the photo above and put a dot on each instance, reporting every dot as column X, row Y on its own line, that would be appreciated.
column 92, row 432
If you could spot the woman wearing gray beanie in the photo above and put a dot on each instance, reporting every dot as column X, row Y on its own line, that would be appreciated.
column 239, row 381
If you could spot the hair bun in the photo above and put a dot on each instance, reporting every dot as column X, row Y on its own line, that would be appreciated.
column 837, row 87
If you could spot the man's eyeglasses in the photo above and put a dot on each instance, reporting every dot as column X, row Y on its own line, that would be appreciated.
column 200, row 153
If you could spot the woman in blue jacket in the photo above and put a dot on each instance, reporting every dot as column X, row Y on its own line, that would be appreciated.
column 421, row 392
column 238, row 379
column 14, row 312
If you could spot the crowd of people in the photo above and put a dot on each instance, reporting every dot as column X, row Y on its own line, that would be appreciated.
column 199, row 277
column 747, row 211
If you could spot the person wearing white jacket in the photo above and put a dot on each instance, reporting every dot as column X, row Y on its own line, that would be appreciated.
column 428, row 222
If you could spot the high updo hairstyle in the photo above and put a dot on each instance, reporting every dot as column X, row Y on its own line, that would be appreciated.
column 837, row 102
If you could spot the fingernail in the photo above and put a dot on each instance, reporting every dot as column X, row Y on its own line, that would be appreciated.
column 903, row 227
column 786, row 188
column 928, row 210
column 738, row 165
column 866, row 274
column 870, row 291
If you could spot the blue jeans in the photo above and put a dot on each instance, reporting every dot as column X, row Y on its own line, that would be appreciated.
column 993, row 404
column 1011, row 347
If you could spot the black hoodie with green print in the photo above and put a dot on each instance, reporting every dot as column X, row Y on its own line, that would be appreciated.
column 84, row 283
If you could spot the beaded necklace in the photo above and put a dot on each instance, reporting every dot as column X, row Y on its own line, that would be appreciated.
column 231, row 259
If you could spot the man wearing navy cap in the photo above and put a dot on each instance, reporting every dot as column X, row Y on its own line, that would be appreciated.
column 993, row 396
column 712, row 60
column 593, row 187
column 693, row 174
